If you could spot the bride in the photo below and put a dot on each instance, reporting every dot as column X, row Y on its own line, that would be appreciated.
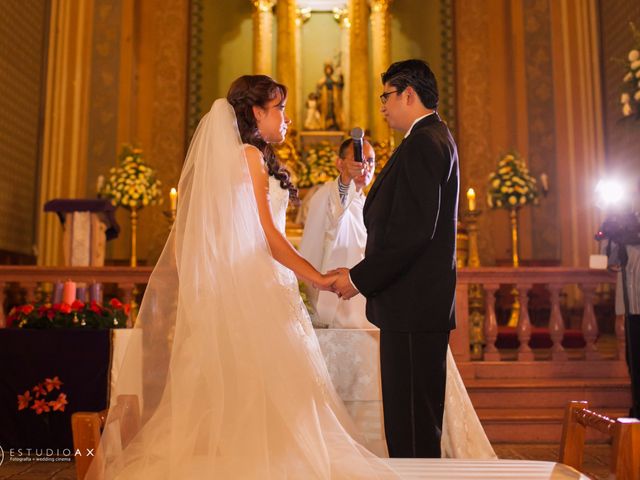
column 235, row 385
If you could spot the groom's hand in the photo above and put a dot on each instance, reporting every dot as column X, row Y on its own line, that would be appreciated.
column 342, row 285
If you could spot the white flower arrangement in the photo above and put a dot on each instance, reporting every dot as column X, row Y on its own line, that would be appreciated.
column 630, row 97
column 511, row 186
column 133, row 184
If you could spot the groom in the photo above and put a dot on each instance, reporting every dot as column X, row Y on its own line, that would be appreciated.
column 408, row 275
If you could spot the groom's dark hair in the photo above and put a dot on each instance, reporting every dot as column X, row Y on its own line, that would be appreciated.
column 418, row 75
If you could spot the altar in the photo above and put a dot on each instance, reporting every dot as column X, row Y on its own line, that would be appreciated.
column 353, row 360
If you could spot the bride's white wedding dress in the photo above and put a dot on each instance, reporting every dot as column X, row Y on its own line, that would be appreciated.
column 235, row 385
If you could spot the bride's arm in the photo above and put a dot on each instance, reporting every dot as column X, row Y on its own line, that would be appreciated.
column 280, row 247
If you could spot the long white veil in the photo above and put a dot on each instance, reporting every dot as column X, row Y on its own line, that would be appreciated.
column 233, row 388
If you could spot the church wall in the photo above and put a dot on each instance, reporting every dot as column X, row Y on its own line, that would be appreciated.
column 527, row 80
column 23, row 43
column 415, row 33
column 622, row 137
column 104, row 90
column 227, row 47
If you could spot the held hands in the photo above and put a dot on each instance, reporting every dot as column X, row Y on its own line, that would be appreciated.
column 342, row 285
column 338, row 282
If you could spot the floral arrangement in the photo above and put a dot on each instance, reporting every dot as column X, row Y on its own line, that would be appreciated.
column 319, row 166
column 511, row 186
column 383, row 153
column 42, row 400
column 133, row 184
column 630, row 98
column 76, row 315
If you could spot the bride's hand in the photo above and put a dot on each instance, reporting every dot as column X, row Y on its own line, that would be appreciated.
column 326, row 281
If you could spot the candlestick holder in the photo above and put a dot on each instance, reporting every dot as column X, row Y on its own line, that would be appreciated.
column 515, row 258
column 134, row 236
column 476, row 294
column 170, row 216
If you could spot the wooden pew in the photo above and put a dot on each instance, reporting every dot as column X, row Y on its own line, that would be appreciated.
column 88, row 426
column 625, row 453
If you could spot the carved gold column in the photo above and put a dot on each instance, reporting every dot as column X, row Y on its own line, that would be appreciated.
column 342, row 17
column 302, row 15
column 359, row 61
column 286, row 54
column 65, row 118
column 381, row 48
column 262, row 36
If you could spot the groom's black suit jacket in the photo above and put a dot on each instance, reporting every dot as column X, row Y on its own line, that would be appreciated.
column 408, row 274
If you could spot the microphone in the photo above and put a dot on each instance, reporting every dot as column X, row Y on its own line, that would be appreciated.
column 356, row 136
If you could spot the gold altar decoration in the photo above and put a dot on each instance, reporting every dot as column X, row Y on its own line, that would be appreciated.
column 381, row 58
column 262, row 36
column 511, row 187
column 359, row 69
column 132, row 185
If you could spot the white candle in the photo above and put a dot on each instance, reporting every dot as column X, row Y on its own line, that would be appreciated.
column 471, row 198
column 173, row 197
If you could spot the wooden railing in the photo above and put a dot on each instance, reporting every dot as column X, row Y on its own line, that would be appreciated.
column 523, row 278
column 484, row 279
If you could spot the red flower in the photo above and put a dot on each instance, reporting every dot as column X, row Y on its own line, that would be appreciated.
column 26, row 309
column 40, row 406
column 115, row 303
column 42, row 309
column 56, row 306
column 39, row 390
column 23, row 400
column 12, row 317
column 94, row 307
column 51, row 314
column 65, row 308
column 51, row 383
column 58, row 405
column 77, row 305
column 127, row 308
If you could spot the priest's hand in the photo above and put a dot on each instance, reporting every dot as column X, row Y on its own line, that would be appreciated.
column 343, row 286
column 354, row 169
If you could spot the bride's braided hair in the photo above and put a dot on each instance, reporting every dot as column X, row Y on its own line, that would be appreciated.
column 257, row 90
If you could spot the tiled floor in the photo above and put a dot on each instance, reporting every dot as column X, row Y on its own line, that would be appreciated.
column 596, row 461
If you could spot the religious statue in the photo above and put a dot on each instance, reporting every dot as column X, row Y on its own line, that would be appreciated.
column 330, row 96
column 313, row 119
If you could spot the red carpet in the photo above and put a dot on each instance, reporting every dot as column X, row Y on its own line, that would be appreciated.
column 508, row 338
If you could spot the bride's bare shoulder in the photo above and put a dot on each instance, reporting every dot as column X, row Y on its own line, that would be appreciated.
column 255, row 162
column 252, row 152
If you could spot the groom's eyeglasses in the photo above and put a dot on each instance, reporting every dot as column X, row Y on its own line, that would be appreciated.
column 385, row 96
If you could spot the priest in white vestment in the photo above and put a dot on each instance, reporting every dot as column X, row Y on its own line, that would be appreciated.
column 335, row 236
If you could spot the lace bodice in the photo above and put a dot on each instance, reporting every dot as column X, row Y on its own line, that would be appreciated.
column 278, row 201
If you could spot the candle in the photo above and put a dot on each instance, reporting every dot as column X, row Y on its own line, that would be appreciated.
column 68, row 292
column 57, row 292
column 81, row 294
column 471, row 198
column 173, row 196
column 96, row 292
